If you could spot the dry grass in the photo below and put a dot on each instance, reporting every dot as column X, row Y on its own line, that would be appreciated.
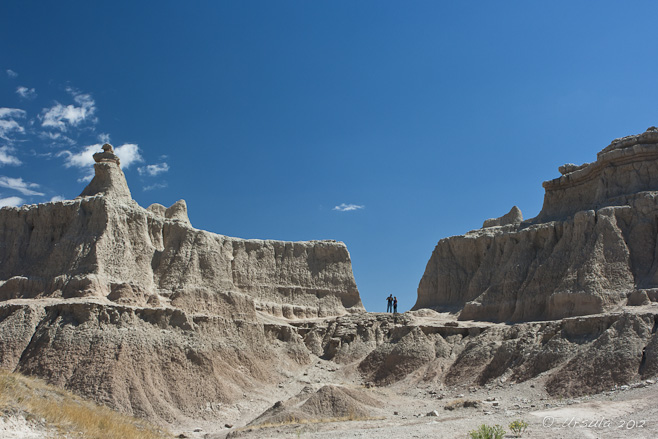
column 301, row 421
column 461, row 403
column 69, row 414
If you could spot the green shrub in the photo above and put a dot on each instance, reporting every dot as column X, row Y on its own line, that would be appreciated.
column 518, row 427
column 488, row 432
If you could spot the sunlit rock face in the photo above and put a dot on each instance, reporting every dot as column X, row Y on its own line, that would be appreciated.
column 103, row 244
column 592, row 245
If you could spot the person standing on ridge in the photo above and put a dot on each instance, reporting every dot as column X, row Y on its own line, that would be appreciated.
column 389, row 303
column 395, row 304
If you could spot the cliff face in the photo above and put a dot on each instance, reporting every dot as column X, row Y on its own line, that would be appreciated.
column 592, row 245
column 105, row 245
column 137, row 309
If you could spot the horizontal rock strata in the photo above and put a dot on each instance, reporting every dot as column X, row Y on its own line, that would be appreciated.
column 592, row 246
column 105, row 245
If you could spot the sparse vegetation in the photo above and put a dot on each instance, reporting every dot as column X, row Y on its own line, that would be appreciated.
column 488, row 432
column 68, row 414
column 301, row 421
column 518, row 427
column 461, row 403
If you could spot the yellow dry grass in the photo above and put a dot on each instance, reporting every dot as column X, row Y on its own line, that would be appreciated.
column 292, row 420
column 67, row 413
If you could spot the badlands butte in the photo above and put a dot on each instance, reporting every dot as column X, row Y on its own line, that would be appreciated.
column 546, row 318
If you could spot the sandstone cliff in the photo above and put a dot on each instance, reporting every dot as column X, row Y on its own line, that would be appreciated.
column 137, row 309
column 592, row 245
column 105, row 245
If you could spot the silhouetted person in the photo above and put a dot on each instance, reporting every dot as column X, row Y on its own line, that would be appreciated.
column 395, row 304
column 389, row 304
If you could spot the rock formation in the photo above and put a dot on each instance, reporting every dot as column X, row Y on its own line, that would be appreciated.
column 105, row 245
column 514, row 216
column 136, row 309
column 592, row 245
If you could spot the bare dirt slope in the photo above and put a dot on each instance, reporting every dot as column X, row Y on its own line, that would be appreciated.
column 628, row 408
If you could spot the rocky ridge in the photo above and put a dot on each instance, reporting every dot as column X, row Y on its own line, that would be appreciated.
column 136, row 309
column 103, row 244
column 590, row 249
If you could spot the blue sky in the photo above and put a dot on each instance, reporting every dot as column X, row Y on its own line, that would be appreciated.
column 265, row 116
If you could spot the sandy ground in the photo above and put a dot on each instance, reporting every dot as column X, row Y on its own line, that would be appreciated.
column 619, row 413
column 626, row 412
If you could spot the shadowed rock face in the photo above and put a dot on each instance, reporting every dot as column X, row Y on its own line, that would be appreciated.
column 592, row 245
column 105, row 245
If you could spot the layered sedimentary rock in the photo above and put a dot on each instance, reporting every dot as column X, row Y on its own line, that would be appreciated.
column 579, row 355
column 105, row 245
column 592, row 245
column 137, row 309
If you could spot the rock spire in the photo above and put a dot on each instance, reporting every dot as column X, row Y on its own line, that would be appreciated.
column 109, row 179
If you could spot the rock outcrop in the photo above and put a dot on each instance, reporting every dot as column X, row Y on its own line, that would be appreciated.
column 105, row 245
column 625, row 167
column 593, row 244
column 137, row 309
column 578, row 355
column 514, row 216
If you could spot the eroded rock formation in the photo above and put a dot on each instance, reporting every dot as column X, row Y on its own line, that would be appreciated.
column 103, row 244
column 592, row 245
column 137, row 309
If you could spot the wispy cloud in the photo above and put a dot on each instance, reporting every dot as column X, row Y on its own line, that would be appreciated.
column 81, row 159
column 6, row 157
column 11, row 113
column 104, row 138
column 19, row 185
column 11, row 73
column 155, row 186
column 57, row 198
column 348, row 207
column 26, row 93
column 56, row 137
column 128, row 153
column 153, row 170
column 11, row 201
column 8, row 123
column 62, row 117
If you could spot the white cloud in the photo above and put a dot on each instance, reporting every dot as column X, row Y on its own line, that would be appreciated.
column 86, row 178
column 155, row 186
column 56, row 137
column 128, row 154
column 62, row 116
column 26, row 93
column 11, row 73
column 57, row 198
column 104, row 138
column 153, row 170
column 7, row 122
column 82, row 159
column 348, row 207
column 19, row 185
column 11, row 113
column 6, row 158
column 11, row 201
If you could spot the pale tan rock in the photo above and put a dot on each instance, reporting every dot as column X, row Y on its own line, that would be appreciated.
column 157, row 209
column 109, row 180
column 89, row 246
column 591, row 246
column 514, row 216
column 625, row 167
column 178, row 212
